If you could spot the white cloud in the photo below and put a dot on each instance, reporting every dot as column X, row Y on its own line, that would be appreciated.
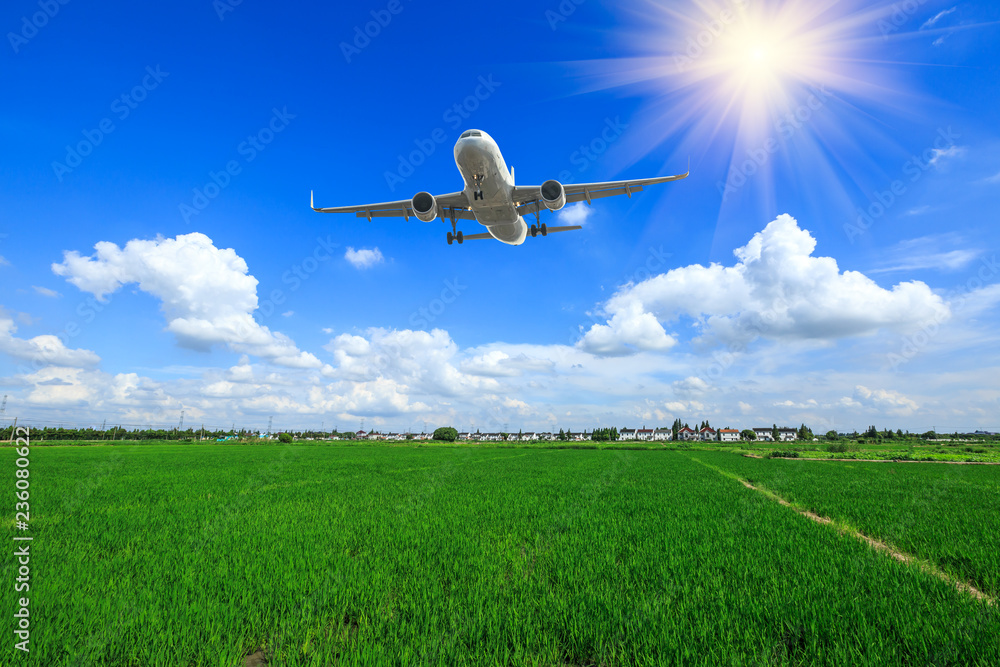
column 941, row 154
column 937, row 17
column 928, row 252
column 3, row 261
column 42, row 350
column 940, row 40
column 206, row 293
column 918, row 210
column 575, row 214
column 288, row 313
column 364, row 258
column 45, row 291
column 884, row 400
column 629, row 330
column 992, row 179
column 777, row 290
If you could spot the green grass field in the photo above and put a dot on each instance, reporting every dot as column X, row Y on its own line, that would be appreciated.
column 202, row 555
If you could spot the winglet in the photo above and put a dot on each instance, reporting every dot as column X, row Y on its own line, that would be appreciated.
column 311, row 204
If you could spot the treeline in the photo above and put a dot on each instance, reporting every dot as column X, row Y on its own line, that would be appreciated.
column 118, row 433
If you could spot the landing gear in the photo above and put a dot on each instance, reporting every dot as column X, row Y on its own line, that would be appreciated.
column 534, row 231
column 544, row 230
column 455, row 235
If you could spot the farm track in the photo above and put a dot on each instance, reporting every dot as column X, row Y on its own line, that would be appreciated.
column 954, row 463
column 878, row 545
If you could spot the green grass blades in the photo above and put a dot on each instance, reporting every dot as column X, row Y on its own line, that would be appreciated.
column 203, row 555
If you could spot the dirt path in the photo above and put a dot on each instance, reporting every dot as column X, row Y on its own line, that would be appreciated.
column 878, row 545
column 954, row 463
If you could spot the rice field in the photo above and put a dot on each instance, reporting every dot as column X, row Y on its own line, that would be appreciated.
column 205, row 555
column 947, row 514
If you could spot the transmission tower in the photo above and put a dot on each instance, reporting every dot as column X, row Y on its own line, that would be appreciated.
column 270, row 420
column 180, row 427
column 3, row 406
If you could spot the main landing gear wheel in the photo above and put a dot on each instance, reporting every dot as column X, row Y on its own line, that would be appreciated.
column 450, row 238
column 534, row 231
column 544, row 230
column 460, row 238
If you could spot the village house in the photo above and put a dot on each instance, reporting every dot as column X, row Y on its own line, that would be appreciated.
column 686, row 433
column 708, row 433
column 729, row 435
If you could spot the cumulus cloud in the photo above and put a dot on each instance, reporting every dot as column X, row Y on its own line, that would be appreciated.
column 206, row 293
column 630, row 330
column 364, row 258
column 40, row 351
column 777, row 289
column 884, row 400
column 424, row 361
column 575, row 214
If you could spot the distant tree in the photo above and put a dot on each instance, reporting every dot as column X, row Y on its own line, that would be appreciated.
column 774, row 432
column 676, row 428
column 562, row 434
column 747, row 434
column 832, row 435
column 285, row 438
column 446, row 434
column 899, row 433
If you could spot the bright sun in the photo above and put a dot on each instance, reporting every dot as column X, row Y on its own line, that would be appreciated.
column 730, row 80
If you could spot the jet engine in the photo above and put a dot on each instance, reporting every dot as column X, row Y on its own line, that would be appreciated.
column 424, row 206
column 553, row 195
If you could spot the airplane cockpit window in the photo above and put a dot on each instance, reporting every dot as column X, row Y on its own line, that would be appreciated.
column 471, row 133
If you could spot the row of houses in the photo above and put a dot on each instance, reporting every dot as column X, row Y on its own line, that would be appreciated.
column 390, row 437
column 521, row 437
column 706, row 434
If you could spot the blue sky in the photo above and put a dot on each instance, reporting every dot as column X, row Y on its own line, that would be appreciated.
column 134, row 287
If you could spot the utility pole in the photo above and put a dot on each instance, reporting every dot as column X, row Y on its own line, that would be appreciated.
column 103, row 425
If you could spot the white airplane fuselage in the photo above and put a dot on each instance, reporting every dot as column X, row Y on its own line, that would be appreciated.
column 489, row 186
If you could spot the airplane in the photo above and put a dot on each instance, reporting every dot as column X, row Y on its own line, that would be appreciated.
column 492, row 199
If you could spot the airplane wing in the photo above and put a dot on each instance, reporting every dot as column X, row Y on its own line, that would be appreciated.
column 528, row 197
column 454, row 205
